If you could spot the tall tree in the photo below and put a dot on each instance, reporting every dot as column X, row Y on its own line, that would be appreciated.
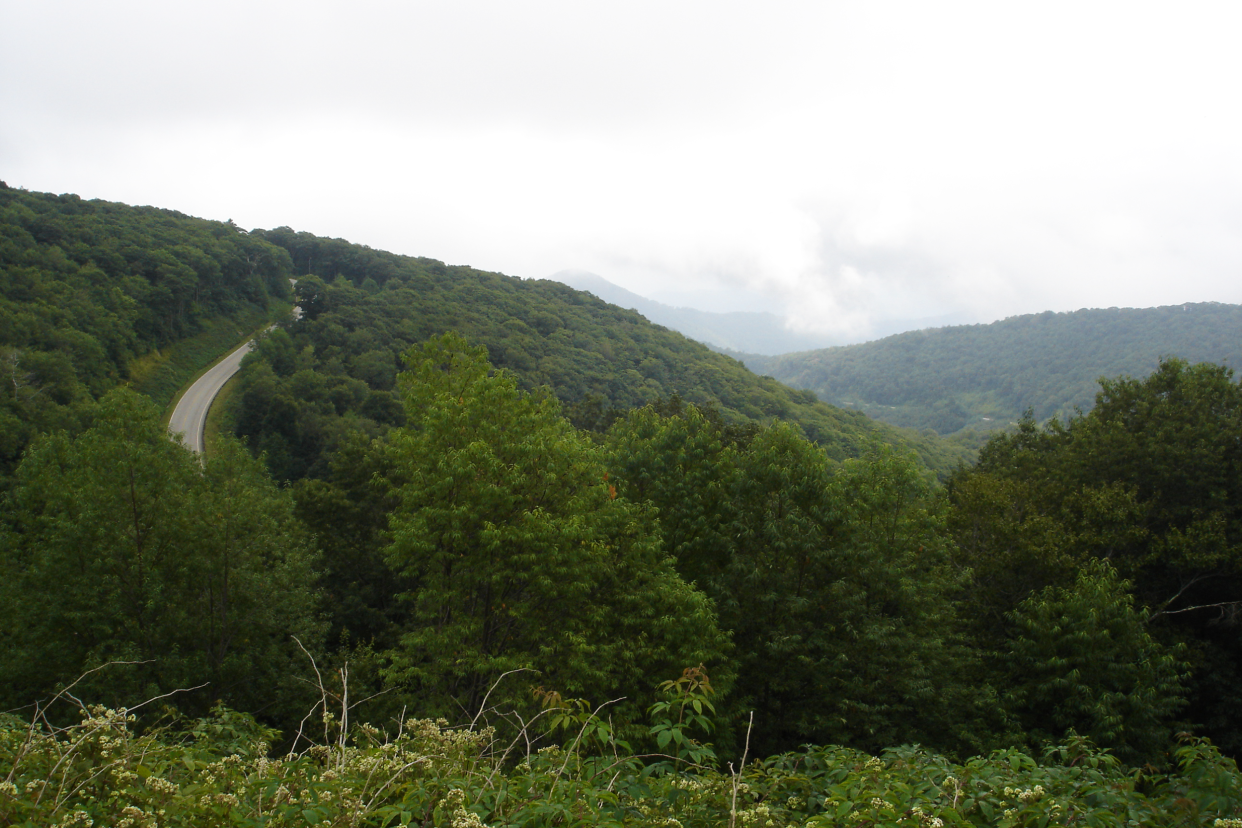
column 1082, row 658
column 119, row 546
column 833, row 579
column 1151, row 481
column 521, row 552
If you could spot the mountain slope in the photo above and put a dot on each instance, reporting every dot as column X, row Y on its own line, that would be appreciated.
column 94, row 294
column 986, row 375
column 332, row 371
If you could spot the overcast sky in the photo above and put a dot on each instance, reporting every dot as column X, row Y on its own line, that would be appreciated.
column 844, row 163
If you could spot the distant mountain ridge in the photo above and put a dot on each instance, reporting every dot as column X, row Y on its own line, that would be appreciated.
column 745, row 331
column 986, row 376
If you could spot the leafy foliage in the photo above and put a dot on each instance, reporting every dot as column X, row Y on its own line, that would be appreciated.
column 1149, row 480
column 984, row 376
column 832, row 579
column 1082, row 660
column 521, row 554
column 216, row 771
column 119, row 546
column 87, row 288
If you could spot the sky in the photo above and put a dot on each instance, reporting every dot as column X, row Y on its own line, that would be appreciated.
column 845, row 164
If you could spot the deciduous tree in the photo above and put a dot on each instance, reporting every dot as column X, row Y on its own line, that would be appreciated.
column 119, row 545
column 1082, row 659
column 522, row 553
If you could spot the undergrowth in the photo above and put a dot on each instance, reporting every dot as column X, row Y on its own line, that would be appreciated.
column 563, row 768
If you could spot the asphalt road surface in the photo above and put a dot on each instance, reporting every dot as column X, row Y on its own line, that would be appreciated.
column 190, row 416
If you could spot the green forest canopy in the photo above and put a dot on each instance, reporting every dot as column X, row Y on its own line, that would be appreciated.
column 985, row 376
column 91, row 290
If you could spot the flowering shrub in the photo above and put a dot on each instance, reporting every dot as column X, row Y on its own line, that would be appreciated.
column 220, row 771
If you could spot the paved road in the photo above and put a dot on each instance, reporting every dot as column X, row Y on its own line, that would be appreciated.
column 190, row 416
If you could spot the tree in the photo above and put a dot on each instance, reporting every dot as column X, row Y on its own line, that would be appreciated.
column 1082, row 659
column 254, row 581
column 349, row 515
column 833, row 579
column 521, row 552
column 906, row 670
column 1149, row 480
column 119, row 546
column 1173, row 439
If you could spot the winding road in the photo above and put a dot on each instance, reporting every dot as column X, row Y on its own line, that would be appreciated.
column 190, row 416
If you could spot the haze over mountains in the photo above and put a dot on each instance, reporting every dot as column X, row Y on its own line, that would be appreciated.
column 751, row 332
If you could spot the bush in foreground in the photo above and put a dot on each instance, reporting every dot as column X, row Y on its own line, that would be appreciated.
column 218, row 771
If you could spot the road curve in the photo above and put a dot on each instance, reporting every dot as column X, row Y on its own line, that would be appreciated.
column 190, row 416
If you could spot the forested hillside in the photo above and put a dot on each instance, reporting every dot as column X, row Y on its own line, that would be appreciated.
column 91, row 292
column 97, row 294
column 332, row 372
column 986, row 376
column 615, row 579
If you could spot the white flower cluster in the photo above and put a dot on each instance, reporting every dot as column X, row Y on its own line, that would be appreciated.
column 925, row 818
column 687, row 783
column 134, row 817
column 462, row 817
column 263, row 765
column 439, row 731
column 122, row 777
column 76, row 818
column 1029, row 795
column 758, row 816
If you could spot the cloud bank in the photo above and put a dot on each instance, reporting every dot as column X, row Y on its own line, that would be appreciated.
column 845, row 164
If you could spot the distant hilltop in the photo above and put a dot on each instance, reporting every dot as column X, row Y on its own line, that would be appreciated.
column 986, row 376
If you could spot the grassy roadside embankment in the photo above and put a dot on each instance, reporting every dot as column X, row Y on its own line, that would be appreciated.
column 165, row 374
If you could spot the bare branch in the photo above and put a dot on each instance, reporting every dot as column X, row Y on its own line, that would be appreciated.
column 323, row 700
column 1235, row 607
column 166, row 695
column 1180, row 592
column 495, row 684
column 737, row 777
column 78, row 680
